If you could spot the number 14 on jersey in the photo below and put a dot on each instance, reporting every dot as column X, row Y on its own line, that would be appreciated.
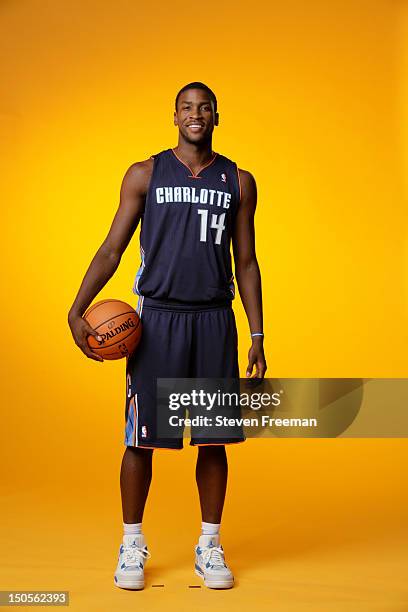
column 217, row 223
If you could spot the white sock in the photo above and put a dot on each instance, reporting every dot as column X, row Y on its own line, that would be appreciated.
column 132, row 528
column 210, row 528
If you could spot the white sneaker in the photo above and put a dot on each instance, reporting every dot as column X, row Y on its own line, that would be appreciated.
column 132, row 557
column 210, row 564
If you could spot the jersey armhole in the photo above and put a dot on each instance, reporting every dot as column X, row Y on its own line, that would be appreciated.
column 154, row 158
column 239, row 183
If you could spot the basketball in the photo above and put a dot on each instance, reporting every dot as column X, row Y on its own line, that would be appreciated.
column 119, row 326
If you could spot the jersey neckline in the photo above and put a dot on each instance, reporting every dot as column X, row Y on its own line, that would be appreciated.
column 194, row 175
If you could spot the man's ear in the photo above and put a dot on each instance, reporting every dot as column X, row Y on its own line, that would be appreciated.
column 216, row 119
column 175, row 118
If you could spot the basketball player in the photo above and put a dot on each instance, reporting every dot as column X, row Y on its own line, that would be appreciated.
column 192, row 203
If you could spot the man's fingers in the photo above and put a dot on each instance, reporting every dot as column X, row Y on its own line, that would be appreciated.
column 92, row 332
column 249, row 368
column 260, row 370
column 84, row 346
column 95, row 357
column 92, row 355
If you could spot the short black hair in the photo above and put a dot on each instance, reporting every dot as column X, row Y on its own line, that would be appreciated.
column 198, row 85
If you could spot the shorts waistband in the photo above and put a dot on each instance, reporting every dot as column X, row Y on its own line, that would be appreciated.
column 184, row 306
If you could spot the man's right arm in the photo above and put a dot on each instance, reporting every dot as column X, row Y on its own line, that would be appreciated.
column 106, row 260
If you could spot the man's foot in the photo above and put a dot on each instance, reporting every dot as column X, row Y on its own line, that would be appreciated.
column 210, row 564
column 132, row 557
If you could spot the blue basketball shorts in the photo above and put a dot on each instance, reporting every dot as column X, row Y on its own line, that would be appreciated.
column 178, row 341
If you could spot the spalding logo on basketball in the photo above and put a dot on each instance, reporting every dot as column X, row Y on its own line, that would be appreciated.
column 119, row 326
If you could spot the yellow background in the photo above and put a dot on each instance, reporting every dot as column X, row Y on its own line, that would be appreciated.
column 313, row 100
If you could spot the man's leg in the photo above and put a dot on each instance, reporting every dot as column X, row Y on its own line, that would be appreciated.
column 135, row 479
column 211, row 476
column 216, row 356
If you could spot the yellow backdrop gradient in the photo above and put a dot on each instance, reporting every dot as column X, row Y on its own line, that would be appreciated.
column 313, row 100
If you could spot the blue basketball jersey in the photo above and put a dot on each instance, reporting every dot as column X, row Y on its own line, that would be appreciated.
column 186, row 231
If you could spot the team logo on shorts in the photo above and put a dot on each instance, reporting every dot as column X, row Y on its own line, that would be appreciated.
column 144, row 431
column 224, row 177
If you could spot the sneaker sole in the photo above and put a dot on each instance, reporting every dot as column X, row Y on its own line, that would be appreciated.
column 216, row 584
column 131, row 584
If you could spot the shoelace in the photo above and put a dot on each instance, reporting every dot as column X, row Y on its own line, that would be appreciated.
column 133, row 554
column 213, row 555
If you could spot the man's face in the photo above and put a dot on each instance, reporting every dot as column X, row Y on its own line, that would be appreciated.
column 195, row 115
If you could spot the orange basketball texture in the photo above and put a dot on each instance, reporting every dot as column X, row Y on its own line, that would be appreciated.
column 119, row 326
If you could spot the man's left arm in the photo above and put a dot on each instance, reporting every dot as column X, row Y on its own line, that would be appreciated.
column 247, row 271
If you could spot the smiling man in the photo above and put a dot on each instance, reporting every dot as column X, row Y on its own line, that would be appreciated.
column 192, row 203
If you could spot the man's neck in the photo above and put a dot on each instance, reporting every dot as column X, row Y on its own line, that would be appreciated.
column 194, row 155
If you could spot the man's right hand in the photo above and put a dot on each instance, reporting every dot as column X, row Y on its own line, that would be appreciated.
column 80, row 330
